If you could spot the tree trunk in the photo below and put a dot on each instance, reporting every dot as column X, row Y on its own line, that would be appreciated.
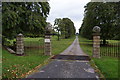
column 58, row 36
column 104, row 41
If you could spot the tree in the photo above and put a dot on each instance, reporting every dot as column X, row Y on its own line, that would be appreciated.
column 117, row 9
column 56, row 26
column 28, row 18
column 66, row 27
column 102, row 15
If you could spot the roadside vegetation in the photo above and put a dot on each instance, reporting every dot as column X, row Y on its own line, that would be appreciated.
column 104, row 15
column 30, row 20
column 107, row 65
column 17, row 66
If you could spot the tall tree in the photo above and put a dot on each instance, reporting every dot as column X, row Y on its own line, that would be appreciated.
column 66, row 27
column 99, row 14
column 28, row 18
column 56, row 26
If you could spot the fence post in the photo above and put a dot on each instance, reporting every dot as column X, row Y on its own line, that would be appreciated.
column 19, row 45
column 47, row 45
column 96, row 42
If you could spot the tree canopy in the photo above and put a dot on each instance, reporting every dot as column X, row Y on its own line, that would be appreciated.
column 66, row 27
column 28, row 18
column 104, row 15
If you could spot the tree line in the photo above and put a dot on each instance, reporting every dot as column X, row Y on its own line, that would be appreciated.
column 65, row 27
column 104, row 15
column 28, row 18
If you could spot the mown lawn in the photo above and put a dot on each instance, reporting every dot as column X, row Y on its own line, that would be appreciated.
column 16, row 66
column 60, row 46
column 107, row 65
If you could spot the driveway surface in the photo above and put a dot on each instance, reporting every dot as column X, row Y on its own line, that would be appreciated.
column 74, row 49
column 67, row 68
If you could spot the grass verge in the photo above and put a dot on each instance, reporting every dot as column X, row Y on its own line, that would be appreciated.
column 60, row 46
column 18, row 66
column 15, row 66
column 107, row 65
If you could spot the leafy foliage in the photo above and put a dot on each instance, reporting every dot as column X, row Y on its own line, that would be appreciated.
column 66, row 27
column 28, row 18
column 104, row 15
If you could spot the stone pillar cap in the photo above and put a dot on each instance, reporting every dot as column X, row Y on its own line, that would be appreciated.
column 96, row 29
column 20, row 34
column 48, row 27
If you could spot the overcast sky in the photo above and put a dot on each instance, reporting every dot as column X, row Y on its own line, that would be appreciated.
column 73, row 9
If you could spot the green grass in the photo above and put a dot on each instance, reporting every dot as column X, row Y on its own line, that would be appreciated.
column 60, row 46
column 113, row 41
column 33, row 41
column 27, row 40
column 86, row 45
column 109, row 50
column 15, row 66
column 9, row 42
column 34, row 45
column 107, row 65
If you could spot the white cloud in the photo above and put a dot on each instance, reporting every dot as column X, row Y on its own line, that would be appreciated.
column 73, row 9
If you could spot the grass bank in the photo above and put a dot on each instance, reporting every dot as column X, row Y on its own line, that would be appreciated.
column 107, row 65
column 16, row 66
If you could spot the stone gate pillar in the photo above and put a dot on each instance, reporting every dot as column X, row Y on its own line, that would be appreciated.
column 19, row 45
column 47, row 45
column 47, row 50
column 96, row 42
